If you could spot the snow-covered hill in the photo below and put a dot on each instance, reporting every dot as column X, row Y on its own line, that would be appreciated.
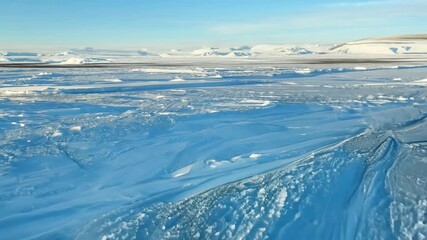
column 405, row 44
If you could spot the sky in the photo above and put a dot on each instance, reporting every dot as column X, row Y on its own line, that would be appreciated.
column 164, row 24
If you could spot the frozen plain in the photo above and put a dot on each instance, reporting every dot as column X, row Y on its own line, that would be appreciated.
column 309, row 147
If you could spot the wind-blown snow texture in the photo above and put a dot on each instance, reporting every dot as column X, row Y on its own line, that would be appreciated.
column 310, row 151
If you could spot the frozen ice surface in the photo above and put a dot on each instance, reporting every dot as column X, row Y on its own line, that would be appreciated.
column 278, row 151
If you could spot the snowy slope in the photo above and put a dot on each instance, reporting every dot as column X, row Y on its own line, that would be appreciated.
column 407, row 44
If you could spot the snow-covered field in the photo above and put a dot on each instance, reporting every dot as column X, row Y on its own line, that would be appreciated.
column 311, row 146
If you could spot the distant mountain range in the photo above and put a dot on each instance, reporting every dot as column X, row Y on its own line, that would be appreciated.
column 395, row 45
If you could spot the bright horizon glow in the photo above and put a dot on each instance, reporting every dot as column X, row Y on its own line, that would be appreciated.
column 162, row 24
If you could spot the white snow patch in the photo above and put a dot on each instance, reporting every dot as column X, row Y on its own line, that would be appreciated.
column 44, row 74
column 360, row 68
column 215, row 76
column 212, row 163
column 261, row 193
column 166, row 113
column 140, row 216
column 282, row 198
column 393, row 67
column 177, row 79
column 113, row 80
column 182, row 171
column 262, row 103
column 76, row 128
column 422, row 81
column 107, row 237
column 304, row 71
column 236, row 158
column 255, row 155
column 290, row 83
column 56, row 134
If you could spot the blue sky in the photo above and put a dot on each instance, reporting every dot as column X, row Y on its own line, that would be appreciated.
column 162, row 24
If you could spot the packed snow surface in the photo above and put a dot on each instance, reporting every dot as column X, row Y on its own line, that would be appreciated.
column 214, row 150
